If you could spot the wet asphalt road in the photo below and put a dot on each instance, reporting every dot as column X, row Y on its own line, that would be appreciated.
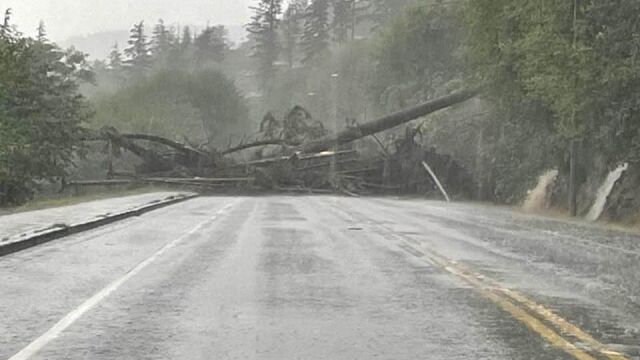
column 323, row 278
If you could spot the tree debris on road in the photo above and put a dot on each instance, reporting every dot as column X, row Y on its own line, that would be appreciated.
column 304, row 157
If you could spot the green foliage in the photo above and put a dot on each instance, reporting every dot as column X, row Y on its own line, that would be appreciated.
column 203, row 106
column 211, row 44
column 41, row 112
column 163, row 40
column 572, row 55
column 138, row 53
column 415, row 56
column 166, row 50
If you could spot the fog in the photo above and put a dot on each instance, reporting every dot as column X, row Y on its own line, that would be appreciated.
column 68, row 18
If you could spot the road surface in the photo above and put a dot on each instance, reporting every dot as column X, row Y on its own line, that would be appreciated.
column 325, row 278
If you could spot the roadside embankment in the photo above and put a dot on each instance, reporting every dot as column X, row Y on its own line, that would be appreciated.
column 26, row 229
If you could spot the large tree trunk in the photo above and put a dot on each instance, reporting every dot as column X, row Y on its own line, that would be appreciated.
column 387, row 122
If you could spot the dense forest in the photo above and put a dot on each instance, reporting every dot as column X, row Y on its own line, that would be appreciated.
column 559, row 85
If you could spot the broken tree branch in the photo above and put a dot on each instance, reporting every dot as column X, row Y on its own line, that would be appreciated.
column 189, row 157
column 436, row 180
column 170, row 143
column 256, row 144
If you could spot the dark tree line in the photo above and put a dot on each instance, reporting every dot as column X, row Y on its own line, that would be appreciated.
column 167, row 47
column 305, row 30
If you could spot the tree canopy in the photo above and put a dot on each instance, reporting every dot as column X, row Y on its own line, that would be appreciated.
column 41, row 111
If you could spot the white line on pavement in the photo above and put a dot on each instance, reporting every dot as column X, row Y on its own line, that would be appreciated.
column 74, row 315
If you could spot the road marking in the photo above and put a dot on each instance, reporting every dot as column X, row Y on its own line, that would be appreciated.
column 89, row 304
column 505, row 298
column 508, row 300
column 537, row 326
column 563, row 324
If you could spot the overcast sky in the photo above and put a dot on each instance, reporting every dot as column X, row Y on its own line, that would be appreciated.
column 66, row 18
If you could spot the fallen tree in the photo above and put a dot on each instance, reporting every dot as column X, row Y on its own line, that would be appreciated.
column 187, row 156
column 363, row 130
column 387, row 122
column 308, row 160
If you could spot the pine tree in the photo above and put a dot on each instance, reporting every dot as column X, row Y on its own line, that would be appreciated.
column 291, row 28
column 187, row 38
column 263, row 29
column 115, row 58
column 161, row 40
column 6, row 28
column 42, row 32
column 211, row 44
column 137, row 53
column 315, row 39
column 344, row 19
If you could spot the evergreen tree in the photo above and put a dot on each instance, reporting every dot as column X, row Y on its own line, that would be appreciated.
column 161, row 40
column 41, row 112
column 42, row 32
column 5, row 28
column 187, row 38
column 263, row 29
column 292, row 29
column 344, row 20
column 115, row 58
column 138, row 57
column 315, row 39
column 211, row 44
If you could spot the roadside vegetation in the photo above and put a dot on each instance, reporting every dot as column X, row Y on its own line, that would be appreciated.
column 42, row 113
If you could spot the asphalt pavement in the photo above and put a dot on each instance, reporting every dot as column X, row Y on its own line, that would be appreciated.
column 325, row 278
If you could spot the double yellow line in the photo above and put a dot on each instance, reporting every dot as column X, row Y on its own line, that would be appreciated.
column 536, row 317
column 526, row 311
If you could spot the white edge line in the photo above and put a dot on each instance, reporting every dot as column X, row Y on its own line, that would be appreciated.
column 73, row 316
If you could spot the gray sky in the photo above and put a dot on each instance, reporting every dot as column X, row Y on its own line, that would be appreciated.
column 66, row 18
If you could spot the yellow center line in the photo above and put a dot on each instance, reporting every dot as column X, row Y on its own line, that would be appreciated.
column 537, row 326
column 500, row 296
column 546, row 313
column 508, row 300
column 563, row 324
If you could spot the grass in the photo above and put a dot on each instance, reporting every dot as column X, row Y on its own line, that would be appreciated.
column 58, row 200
